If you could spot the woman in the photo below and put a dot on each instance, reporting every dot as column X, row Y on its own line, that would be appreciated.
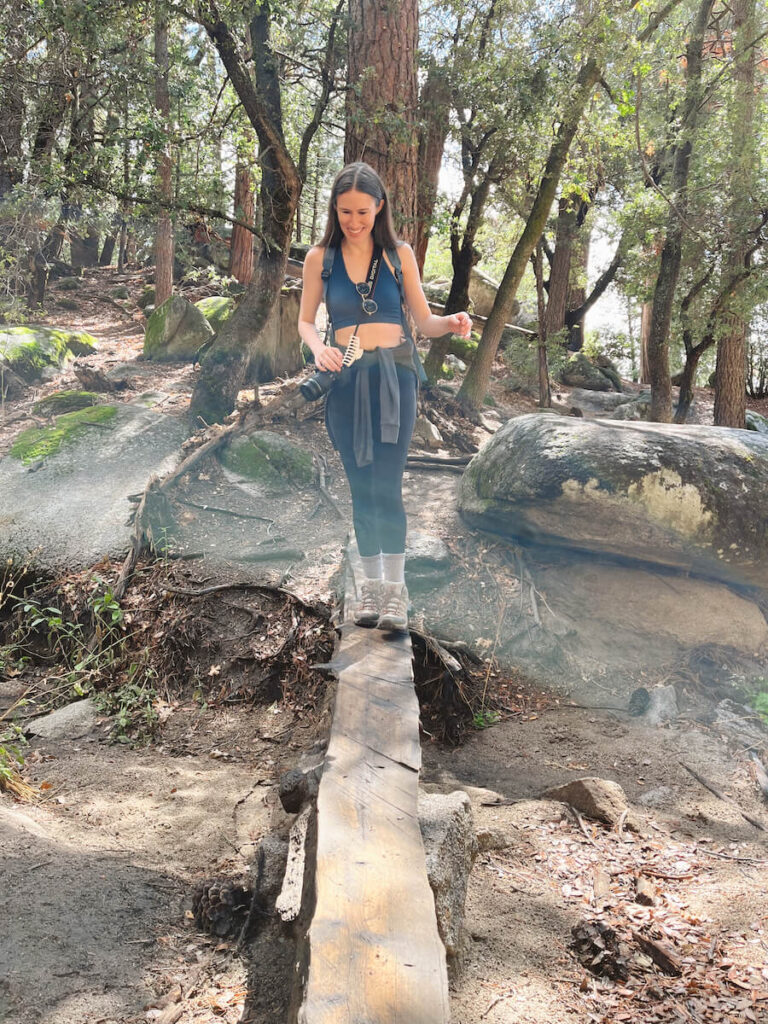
column 371, row 408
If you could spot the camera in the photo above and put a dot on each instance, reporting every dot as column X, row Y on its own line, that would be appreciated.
column 317, row 385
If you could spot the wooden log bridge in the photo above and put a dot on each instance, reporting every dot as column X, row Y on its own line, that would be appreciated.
column 372, row 953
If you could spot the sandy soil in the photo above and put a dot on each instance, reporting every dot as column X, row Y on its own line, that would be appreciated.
column 99, row 871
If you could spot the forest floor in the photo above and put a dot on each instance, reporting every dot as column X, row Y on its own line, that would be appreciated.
column 100, row 866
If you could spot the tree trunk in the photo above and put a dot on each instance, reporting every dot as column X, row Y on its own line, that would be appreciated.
column 108, row 249
column 672, row 250
column 731, row 365
column 576, row 300
column 545, row 395
column 241, row 245
column 382, row 100
column 476, row 381
column 464, row 256
column 238, row 344
column 164, row 230
column 687, row 382
column 11, row 120
column 645, row 333
column 434, row 110
column 560, row 274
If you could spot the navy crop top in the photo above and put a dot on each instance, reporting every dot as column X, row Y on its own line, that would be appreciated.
column 345, row 305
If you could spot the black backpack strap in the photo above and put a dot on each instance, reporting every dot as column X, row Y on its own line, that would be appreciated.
column 394, row 258
column 328, row 257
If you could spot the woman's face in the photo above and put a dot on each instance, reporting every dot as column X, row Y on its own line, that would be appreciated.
column 357, row 212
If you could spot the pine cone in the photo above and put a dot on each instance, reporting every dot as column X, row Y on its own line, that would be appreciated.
column 220, row 906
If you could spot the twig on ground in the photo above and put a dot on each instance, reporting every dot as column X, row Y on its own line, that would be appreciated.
column 582, row 826
column 722, row 796
column 224, row 511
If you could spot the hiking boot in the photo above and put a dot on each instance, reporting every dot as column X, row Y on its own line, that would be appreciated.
column 394, row 607
column 369, row 605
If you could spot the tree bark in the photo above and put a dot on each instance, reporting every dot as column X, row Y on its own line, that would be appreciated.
column 239, row 347
column 672, row 249
column 382, row 100
column 164, row 229
column 241, row 244
column 545, row 395
column 560, row 274
column 476, row 381
column 11, row 119
column 434, row 110
column 731, row 365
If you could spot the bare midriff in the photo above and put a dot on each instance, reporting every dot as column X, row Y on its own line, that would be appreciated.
column 371, row 336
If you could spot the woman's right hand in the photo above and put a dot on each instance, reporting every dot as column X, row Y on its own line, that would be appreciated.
column 329, row 358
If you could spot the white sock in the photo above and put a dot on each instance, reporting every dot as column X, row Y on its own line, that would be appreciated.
column 394, row 567
column 372, row 566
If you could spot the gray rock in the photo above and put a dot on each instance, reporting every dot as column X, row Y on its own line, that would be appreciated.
column 581, row 372
column 634, row 411
column 593, row 797
column 268, row 869
column 456, row 363
column 67, row 723
column 450, row 845
column 121, row 292
column 757, row 422
column 424, row 550
column 492, row 839
column 658, row 796
column 74, row 509
column 425, row 431
column 297, row 787
column 175, row 331
column 692, row 497
column 741, row 723
column 596, row 403
column 482, row 292
column 662, row 707
column 69, row 284
column 427, row 560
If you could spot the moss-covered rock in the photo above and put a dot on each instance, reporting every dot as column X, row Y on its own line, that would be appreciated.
column 147, row 297
column 68, row 284
column 31, row 351
column 175, row 331
column 216, row 309
column 120, row 292
column 463, row 348
column 68, row 303
column 581, row 372
column 65, row 401
column 37, row 443
column 270, row 459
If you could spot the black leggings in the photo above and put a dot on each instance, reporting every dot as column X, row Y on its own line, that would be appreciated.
column 377, row 489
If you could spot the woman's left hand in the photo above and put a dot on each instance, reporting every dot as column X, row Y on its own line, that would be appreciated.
column 459, row 323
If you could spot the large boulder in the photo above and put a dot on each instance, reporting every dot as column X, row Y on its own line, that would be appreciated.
column 757, row 422
column 691, row 497
column 34, row 353
column 75, row 508
column 175, row 331
column 581, row 372
column 216, row 309
column 482, row 292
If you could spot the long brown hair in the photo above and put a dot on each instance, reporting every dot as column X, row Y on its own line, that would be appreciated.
column 360, row 177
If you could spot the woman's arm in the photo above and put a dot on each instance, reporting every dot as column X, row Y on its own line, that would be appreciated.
column 326, row 357
column 428, row 323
